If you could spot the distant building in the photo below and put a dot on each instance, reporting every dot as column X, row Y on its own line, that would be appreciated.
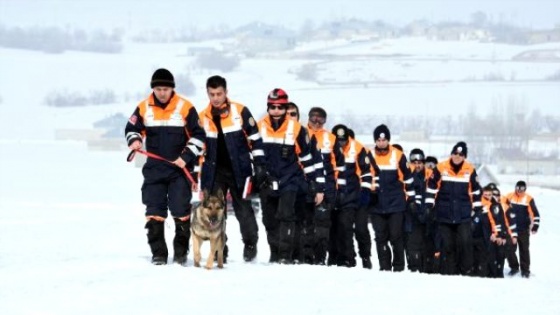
column 457, row 32
column 543, row 36
column 257, row 37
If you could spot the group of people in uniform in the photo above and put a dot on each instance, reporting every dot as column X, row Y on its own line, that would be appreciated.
column 320, row 188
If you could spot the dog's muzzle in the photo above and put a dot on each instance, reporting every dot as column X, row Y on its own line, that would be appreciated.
column 214, row 221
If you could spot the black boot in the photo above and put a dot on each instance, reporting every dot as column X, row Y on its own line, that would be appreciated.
column 273, row 255
column 249, row 252
column 156, row 240
column 286, row 244
column 181, row 241
column 366, row 263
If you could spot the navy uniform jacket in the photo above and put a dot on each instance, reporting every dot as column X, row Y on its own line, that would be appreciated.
column 243, row 142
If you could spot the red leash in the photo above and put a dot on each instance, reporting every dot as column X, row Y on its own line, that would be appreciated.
column 157, row 157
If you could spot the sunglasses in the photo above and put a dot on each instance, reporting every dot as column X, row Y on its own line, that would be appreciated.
column 416, row 157
column 293, row 114
column 459, row 154
column 279, row 107
column 317, row 119
column 430, row 165
column 520, row 188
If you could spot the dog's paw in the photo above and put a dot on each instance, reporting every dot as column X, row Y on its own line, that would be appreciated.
column 197, row 263
column 220, row 266
column 209, row 267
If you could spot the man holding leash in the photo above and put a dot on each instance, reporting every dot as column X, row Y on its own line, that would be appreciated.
column 169, row 124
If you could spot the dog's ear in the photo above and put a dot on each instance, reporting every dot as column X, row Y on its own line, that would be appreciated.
column 205, row 195
column 220, row 194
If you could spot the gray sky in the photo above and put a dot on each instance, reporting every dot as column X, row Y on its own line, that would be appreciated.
column 136, row 14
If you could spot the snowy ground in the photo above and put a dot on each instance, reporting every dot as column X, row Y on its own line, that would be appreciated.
column 72, row 242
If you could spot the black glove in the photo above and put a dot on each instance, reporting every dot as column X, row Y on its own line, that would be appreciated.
column 340, row 196
column 311, row 189
column 365, row 196
column 260, row 175
column 429, row 212
column 535, row 228
column 477, row 211
column 412, row 207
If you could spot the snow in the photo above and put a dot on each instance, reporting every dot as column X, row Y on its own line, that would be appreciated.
column 72, row 241
column 71, row 230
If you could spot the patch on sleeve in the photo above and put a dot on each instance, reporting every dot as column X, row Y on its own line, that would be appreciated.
column 367, row 160
column 307, row 138
column 133, row 119
column 252, row 121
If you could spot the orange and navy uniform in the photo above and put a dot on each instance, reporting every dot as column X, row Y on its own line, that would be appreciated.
column 523, row 212
column 332, row 160
column 495, row 214
column 242, row 139
column 358, row 172
column 171, row 131
column 318, row 164
column 288, row 152
column 457, row 193
column 420, row 183
column 393, row 180
column 509, row 218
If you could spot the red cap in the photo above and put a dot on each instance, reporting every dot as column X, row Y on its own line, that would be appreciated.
column 277, row 96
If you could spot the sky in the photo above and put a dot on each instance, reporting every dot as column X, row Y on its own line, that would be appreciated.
column 141, row 14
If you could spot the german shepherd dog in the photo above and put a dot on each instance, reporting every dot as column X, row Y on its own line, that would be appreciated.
column 209, row 223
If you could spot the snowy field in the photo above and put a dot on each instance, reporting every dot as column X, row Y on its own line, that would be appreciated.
column 72, row 242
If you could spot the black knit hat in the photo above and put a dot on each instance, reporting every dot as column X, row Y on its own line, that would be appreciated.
column 521, row 183
column 381, row 132
column 318, row 111
column 417, row 155
column 162, row 77
column 431, row 159
column 341, row 132
column 460, row 148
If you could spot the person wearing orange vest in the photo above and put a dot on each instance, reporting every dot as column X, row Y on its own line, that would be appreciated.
column 419, row 245
column 304, row 237
column 526, row 218
column 333, row 166
column 454, row 194
column 233, row 152
column 356, row 195
column 289, row 162
column 361, row 230
column 487, row 231
column 499, row 230
column 169, row 124
column 394, row 193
